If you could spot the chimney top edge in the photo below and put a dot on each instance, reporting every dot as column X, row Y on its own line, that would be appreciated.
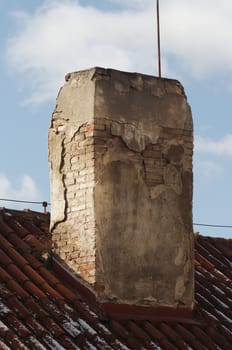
column 100, row 73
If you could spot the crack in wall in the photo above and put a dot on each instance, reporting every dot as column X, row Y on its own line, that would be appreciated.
column 63, row 145
column 78, row 131
column 121, row 179
column 61, row 165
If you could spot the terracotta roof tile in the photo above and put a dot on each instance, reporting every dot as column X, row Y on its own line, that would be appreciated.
column 67, row 293
column 13, row 322
column 3, row 346
column 155, row 333
column 17, row 307
column 134, row 343
column 35, row 326
column 188, row 337
column 174, row 336
column 40, row 309
column 35, row 308
column 119, row 329
column 225, row 332
column 4, row 259
column 217, row 338
column 202, row 336
column 32, row 261
column 13, row 341
column 13, row 254
column 48, row 276
column 4, row 227
column 5, row 294
column 136, row 329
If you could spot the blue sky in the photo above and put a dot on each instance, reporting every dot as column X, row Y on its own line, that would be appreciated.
column 41, row 41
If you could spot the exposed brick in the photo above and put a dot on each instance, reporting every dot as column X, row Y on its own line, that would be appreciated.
column 86, row 170
column 98, row 126
column 86, row 142
column 152, row 154
column 78, row 166
column 86, row 185
column 79, row 137
column 69, row 174
column 153, row 147
column 143, row 153
column 89, row 127
column 78, row 207
column 89, row 155
column 89, row 163
column 88, row 266
column 70, row 181
column 77, row 150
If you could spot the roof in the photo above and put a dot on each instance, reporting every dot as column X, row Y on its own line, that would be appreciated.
column 40, row 309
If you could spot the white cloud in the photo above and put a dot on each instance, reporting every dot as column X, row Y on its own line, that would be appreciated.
column 62, row 36
column 26, row 191
column 199, row 34
column 134, row 4
column 208, row 168
column 65, row 36
column 222, row 147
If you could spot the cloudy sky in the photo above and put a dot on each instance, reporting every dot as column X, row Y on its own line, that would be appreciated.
column 41, row 41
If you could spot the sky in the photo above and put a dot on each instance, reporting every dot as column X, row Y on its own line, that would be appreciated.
column 41, row 41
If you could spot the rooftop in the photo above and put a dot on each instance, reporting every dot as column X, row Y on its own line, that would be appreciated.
column 42, row 306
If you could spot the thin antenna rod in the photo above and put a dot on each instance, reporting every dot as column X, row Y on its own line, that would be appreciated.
column 158, row 38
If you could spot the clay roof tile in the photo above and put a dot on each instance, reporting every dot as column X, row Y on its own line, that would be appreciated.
column 41, row 308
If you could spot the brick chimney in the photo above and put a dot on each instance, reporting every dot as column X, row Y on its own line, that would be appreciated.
column 120, row 151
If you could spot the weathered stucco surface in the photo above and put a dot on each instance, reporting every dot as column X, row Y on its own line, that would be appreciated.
column 120, row 150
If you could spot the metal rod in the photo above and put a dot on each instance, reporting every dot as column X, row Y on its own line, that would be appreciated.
column 209, row 225
column 44, row 204
column 158, row 39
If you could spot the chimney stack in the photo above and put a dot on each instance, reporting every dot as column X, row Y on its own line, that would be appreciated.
column 120, row 151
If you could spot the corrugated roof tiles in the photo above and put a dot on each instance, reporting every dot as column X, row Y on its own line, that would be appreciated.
column 40, row 310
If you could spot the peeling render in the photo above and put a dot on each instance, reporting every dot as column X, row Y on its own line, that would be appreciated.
column 120, row 151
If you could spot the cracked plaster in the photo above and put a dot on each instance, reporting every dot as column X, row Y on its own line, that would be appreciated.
column 141, row 194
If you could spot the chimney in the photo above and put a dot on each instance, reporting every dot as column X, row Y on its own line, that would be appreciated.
column 120, row 151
